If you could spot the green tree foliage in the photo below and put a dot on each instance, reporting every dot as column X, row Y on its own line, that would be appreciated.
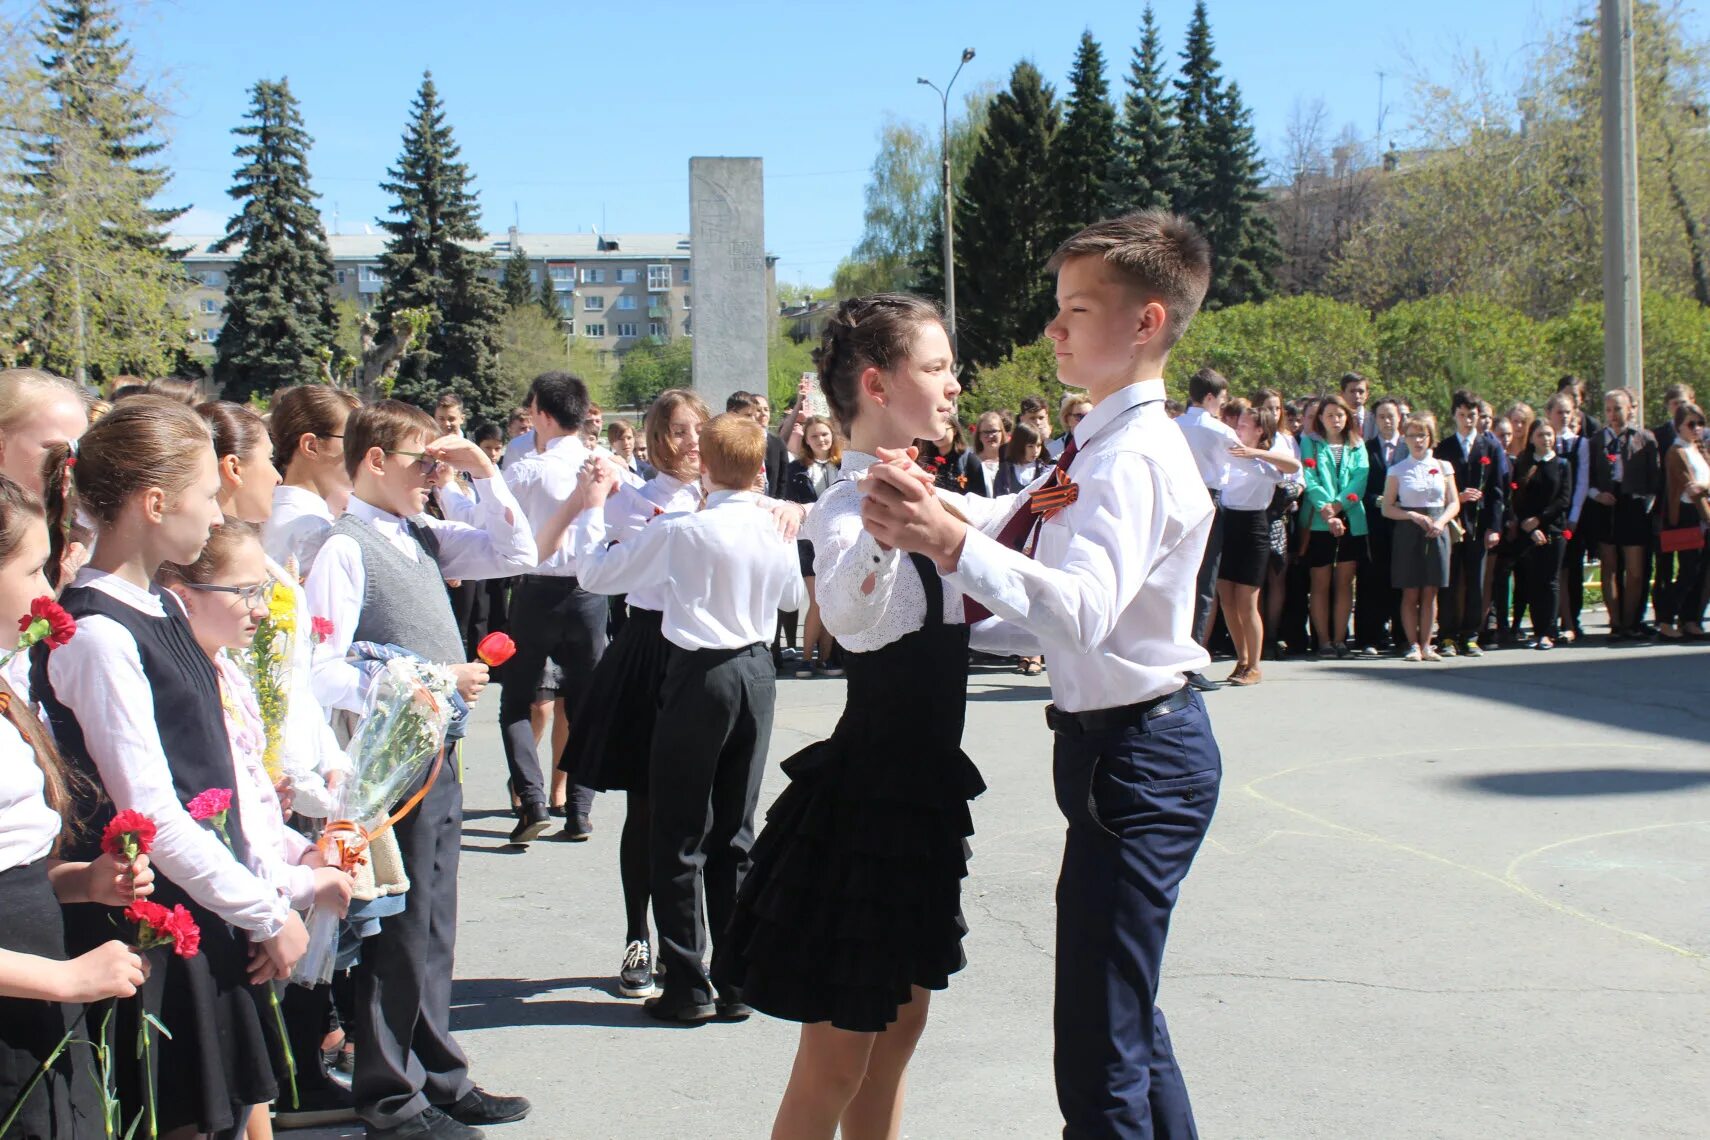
column 1297, row 344
column 1028, row 370
column 1084, row 155
column 1006, row 223
column 551, row 303
column 1222, row 175
column 1146, row 171
column 428, row 264
column 1676, row 334
column 1428, row 348
column 517, row 281
column 785, row 362
column 529, row 344
column 88, row 279
column 648, row 369
column 280, row 323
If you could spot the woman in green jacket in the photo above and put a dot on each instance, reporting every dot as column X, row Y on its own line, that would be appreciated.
column 1336, row 471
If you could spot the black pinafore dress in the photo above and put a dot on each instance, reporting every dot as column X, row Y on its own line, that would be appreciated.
column 855, row 894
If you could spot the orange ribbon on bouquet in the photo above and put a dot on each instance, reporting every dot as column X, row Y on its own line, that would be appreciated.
column 344, row 842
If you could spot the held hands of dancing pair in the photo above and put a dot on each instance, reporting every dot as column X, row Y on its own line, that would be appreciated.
column 902, row 511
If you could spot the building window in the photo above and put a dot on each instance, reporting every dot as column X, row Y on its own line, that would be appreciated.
column 628, row 276
column 563, row 276
column 210, row 306
column 593, row 330
column 368, row 279
column 685, row 301
column 626, row 302
column 626, row 329
column 341, row 276
column 212, row 279
column 593, row 304
column 685, row 274
column 593, row 276
column 655, row 328
column 658, row 278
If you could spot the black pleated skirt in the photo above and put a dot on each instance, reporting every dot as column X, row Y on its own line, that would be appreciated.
column 611, row 731
column 64, row 1104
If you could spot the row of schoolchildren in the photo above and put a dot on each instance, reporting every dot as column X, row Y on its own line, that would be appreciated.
column 1332, row 510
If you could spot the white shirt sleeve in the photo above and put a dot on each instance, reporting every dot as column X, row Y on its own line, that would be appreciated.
column 497, row 542
column 457, row 503
column 98, row 676
column 619, row 568
column 1118, row 533
column 335, row 588
column 853, row 577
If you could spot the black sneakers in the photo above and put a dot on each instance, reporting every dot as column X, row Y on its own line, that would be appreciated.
column 531, row 821
column 635, row 979
column 478, row 1106
column 432, row 1124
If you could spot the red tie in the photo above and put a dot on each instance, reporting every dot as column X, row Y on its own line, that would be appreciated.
column 1023, row 526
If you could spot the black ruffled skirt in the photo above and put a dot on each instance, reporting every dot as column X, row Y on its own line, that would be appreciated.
column 854, row 896
column 611, row 730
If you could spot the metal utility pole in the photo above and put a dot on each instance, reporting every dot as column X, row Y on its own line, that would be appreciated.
column 949, row 209
column 1623, row 345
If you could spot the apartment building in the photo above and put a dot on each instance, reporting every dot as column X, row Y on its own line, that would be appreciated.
column 614, row 290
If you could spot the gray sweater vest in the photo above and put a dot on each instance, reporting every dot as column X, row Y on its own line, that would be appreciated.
column 404, row 602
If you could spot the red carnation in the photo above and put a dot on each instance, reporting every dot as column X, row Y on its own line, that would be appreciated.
column 1568, row 534
column 186, row 935
column 1514, row 486
column 938, row 461
column 157, row 926
column 320, row 628
column 1485, row 460
column 1309, row 462
column 495, row 649
column 60, row 625
column 206, row 805
column 131, row 833
column 142, row 912
column 1434, row 471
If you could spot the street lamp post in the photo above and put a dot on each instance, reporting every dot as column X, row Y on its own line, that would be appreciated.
column 949, row 208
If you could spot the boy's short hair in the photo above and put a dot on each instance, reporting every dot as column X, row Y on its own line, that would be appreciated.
column 619, row 427
column 448, row 399
column 1349, row 379
column 1390, row 401
column 1206, row 382
column 1464, row 398
column 594, row 409
column 740, row 402
column 561, row 396
column 489, row 432
column 1161, row 254
column 733, row 449
column 1033, row 405
column 390, row 425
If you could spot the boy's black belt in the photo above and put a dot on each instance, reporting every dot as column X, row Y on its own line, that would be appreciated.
column 1124, row 716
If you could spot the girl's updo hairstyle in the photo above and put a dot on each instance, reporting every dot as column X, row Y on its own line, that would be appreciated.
column 237, row 429
column 145, row 441
column 867, row 332
column 24, row 390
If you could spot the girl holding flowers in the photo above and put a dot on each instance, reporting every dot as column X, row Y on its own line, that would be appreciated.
column 44, row 1091
column 135, row 705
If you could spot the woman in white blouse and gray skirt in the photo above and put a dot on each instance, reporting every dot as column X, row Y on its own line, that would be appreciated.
column 1420, row 490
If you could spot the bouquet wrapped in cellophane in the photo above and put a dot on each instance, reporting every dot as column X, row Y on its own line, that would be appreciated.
column 401, row 735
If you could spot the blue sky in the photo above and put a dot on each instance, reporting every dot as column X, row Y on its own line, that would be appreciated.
column 573, row 113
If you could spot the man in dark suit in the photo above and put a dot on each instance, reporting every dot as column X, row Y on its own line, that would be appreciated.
column 1377, row 604
column 1479, row 463
column 777, row 454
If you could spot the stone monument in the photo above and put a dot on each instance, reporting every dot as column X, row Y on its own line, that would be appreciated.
column 727, row 264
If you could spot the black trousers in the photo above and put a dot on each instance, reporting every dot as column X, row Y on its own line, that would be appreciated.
column 470, row 607
column 550, row 618
column 709, row 752
column 1138, row 801
column 1573, row 580
column 1463, row 601
column 1205, row 586
column 1377, row 604
column 1684, row 599
column 406, row 1058
column 1542, row 566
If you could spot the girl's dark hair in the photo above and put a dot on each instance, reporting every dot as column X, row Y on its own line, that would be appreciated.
column 308, row 409
column 1019, row 440
column 237, row 430
column 863, row 333
column 489, row 431
column 1351, row 426
column 932, row 448
column 223, row 540
column 145, row 441
column 18, row 508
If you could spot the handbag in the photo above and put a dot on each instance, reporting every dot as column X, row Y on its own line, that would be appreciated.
column 1455, row 531
column 1679, row 538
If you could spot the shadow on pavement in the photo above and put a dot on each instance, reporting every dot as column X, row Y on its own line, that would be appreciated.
column 1587, row 782
column 1659, row 694
column 492, row 1003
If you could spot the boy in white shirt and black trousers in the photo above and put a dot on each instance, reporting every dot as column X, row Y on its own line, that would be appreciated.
column 1107, row 586
column 727, row 573
column 378, row 578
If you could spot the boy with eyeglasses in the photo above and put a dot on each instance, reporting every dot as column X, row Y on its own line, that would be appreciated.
column 379, row 577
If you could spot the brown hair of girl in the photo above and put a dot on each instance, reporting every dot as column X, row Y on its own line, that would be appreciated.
column 867, row 332
column 24, row 390
column 1020, row 440
column 661, row 453
column 1351, row 427
column 805, row 453
column 237, row 429
column 19, row 508
column 223, row 541
column 319, row 410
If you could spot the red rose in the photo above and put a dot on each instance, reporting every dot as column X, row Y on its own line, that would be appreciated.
column 321, row 628
column 56, row 626
column 1485, row 460
column 1353, row 498
column 1309, row 463
column 496, row 649
column 186, row 935
column 133, row 826
column 208, row 804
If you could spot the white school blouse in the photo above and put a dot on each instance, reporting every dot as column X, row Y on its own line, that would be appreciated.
column 296, row 528
column 1252, row 483
column 28, row 826
column 1419, row 483
column 630, row 508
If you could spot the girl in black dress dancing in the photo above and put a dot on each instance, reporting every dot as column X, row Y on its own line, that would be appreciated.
column 851, row 914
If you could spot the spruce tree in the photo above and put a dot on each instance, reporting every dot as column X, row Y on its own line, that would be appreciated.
column 428, row 265
column 280, row 321
column 94, row 279
column 1085, row 151
column 548, row 300
column 1221, row 183
column 517, row 281
column 1147, row 170
column 1006, row 225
